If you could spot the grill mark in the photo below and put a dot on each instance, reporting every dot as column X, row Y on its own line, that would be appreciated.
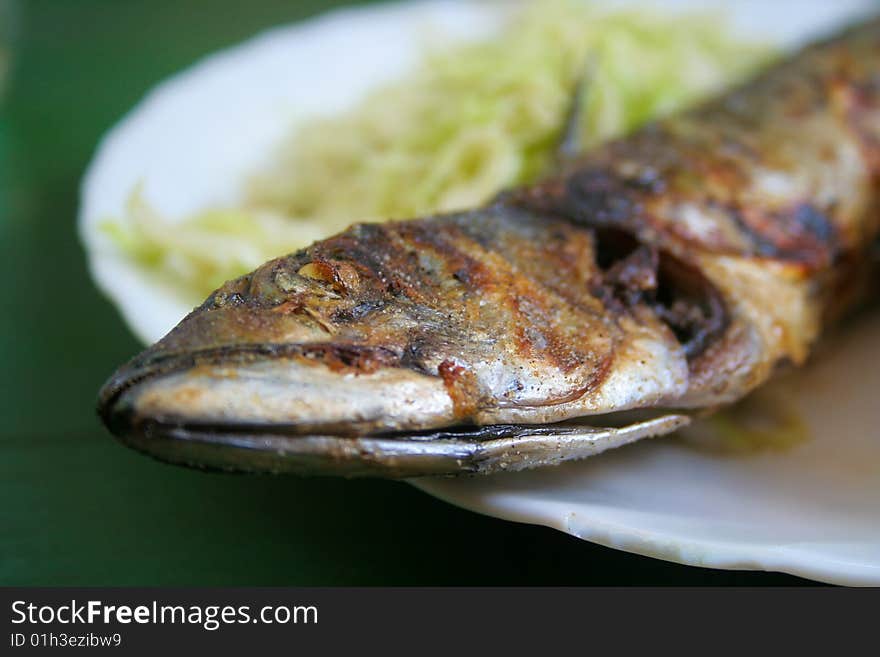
column 536, row 335
column 530, row 303
column 370, row 250
column 473, row 274
column 563, row 262
column 529, row 319
column 800, row 234
column 480, row 267
column 594, row 196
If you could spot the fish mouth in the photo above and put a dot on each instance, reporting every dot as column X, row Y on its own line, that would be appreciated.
column 154, row 405
column 463, row 450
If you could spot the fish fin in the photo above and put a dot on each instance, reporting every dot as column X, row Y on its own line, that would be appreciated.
column 571, row 141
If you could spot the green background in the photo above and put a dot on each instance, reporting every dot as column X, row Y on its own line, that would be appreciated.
column 76, row 507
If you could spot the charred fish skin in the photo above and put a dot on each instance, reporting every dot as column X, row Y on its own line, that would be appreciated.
column 674, row 268
column 477, row 318
column 769, row 191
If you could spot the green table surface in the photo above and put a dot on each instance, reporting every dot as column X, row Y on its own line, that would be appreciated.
column 76, row 508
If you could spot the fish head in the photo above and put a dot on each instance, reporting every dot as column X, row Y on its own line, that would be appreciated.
column 439, row 346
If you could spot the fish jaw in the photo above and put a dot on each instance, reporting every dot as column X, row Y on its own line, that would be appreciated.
column 488, row 450
column 222, row 389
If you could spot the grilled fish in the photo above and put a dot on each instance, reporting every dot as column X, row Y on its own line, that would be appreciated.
column 665, row 273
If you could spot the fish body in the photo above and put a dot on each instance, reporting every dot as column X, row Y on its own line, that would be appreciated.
column 673, row 269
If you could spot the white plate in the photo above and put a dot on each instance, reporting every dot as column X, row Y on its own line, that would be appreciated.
column 812, row 509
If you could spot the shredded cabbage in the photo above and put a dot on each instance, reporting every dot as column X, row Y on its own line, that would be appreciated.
column 468, row 122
